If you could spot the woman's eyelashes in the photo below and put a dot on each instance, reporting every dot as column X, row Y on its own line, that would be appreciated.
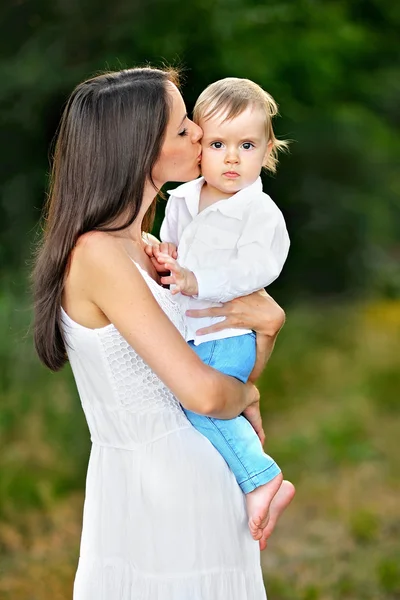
column 183, row 132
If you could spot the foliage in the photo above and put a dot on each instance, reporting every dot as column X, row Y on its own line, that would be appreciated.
column 332, row 66
column 326, row 427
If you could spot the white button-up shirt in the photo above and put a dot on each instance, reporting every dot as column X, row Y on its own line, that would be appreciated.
column 234, row 247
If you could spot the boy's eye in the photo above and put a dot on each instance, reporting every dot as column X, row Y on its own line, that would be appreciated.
column 247, row 145
column 216, row 145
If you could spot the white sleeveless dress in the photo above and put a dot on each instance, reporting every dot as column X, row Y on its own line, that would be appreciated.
column 164, row 518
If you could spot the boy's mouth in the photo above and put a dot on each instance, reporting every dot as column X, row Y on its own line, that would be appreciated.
column 231, row 174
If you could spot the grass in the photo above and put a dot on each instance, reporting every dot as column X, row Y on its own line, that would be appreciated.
column 336, row 437
column 332, row 415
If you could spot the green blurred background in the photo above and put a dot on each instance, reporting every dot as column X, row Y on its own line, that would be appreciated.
column 331, row 392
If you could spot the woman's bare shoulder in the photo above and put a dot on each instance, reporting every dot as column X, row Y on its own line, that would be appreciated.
column 96, row 253
column 97, row 262
column 99, row 248
column 95, row 241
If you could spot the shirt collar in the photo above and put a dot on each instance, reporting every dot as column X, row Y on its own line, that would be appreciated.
column 231, row 207
column 236, row 205
column 190, row 192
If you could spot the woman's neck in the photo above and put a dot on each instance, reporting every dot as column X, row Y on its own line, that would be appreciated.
column 134, row 231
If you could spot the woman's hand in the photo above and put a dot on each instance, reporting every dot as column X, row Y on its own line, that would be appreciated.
column 253, row 415
column 257, row 311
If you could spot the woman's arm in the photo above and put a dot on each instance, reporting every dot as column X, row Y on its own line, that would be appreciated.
column 257, row 311
column 111, row 281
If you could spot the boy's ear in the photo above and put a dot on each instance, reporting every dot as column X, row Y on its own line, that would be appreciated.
column 270, row 145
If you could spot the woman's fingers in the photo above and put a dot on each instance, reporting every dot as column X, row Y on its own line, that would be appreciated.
column 214, row 311
column 213, row 328
column 256, row 311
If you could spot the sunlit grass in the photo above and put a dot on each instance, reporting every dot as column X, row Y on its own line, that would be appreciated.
column 336, row 437
column 332, row 414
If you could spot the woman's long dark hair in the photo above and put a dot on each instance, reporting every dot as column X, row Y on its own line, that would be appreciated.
column 108, row 142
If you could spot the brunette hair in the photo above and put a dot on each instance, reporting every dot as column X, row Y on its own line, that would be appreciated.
column 232, row 96
column 110, row 136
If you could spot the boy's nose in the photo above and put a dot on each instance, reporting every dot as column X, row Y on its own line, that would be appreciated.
column 231, row 158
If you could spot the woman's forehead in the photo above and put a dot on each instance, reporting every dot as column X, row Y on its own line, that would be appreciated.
column 178, row 108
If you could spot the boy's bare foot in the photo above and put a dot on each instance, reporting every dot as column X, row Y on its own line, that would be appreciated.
column 282, row 499
column 258, row 504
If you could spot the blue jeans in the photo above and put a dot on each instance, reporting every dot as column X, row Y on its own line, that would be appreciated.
column 235, row 439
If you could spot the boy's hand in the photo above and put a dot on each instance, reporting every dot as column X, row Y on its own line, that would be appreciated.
column 155, row 250
column 184, row 280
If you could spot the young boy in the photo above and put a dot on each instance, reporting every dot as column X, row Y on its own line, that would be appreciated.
column 231, row 240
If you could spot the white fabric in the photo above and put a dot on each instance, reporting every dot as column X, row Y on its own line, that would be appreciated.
column 164, row 518
column 234, row 247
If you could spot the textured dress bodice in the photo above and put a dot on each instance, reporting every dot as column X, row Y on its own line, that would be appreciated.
column 164, row 518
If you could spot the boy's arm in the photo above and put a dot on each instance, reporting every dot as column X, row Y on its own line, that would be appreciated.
column 261, row 253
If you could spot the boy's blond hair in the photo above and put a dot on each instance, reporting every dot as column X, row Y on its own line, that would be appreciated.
column 233, row 96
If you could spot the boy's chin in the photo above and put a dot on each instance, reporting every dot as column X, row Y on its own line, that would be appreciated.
column 225, row 190
column 231, row 187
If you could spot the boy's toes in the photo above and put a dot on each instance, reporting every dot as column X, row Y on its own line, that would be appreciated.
column 263, row 540
column 257, row 526
column 255, row 529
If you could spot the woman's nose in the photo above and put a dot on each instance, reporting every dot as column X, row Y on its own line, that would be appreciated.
column 197, row 133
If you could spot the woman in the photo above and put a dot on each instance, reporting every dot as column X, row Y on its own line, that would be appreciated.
column 164, row 518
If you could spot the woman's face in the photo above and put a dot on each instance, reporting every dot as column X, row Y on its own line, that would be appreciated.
column 180, row 155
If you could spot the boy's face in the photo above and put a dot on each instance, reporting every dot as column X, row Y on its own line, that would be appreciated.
column 234, row 151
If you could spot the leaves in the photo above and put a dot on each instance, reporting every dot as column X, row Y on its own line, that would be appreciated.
column 333, row 68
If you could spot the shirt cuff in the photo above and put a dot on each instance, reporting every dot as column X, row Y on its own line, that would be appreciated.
column 211, row 286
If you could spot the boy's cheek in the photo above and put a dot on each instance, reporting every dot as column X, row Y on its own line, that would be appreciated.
column 207, row 168
column 207, row 159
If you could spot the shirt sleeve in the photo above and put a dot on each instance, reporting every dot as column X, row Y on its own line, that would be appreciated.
column 259, row 257
column 169, row 226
